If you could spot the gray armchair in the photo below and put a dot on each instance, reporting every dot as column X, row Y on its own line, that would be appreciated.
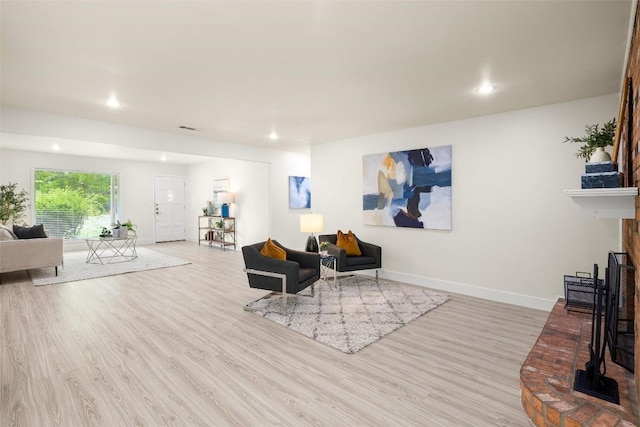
column 371, row 255
column 292, row 275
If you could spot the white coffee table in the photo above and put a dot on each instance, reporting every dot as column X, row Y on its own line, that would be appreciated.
column 108, row 250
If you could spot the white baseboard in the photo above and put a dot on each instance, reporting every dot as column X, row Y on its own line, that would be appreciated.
column 474, row 291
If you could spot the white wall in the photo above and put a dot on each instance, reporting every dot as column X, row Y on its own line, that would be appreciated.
column 285, row 222
column 241, row 163
column 514, row 232
column 249, row 181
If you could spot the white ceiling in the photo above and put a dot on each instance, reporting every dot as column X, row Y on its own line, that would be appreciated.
column 312, row 71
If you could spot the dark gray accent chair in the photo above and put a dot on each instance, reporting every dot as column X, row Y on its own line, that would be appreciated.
column 371, row 258
column 290, row 276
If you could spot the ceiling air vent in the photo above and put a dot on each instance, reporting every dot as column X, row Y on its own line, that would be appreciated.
column 186, row 128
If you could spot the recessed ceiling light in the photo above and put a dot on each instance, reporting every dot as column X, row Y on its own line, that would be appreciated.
column 113, row 102
column 273, row 135
column 163, row 158
column 486, row 88
column 55, row 147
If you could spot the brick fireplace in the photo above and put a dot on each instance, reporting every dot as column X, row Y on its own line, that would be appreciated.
column 546, row 377
column 630, row 165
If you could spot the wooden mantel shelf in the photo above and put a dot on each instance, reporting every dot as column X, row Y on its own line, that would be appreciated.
column 606, row 202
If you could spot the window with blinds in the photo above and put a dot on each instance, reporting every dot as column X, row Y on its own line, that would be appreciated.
column 75, row 205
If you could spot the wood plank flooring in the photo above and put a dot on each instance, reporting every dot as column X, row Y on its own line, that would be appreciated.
column 175, row 347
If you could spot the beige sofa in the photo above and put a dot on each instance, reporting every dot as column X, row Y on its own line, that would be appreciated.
column 24, row 254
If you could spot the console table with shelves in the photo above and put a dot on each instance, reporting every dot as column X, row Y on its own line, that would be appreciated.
column 217, row 231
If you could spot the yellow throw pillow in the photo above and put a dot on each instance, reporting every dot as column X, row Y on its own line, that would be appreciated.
column 349, row 243
column 272, row 250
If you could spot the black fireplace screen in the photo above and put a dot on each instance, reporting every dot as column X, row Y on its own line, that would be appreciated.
column 619, row 321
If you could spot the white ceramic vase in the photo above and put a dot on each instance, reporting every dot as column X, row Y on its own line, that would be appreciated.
column 600, row 155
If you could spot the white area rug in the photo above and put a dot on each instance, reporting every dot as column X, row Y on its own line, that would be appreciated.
column 353, row 314
column 76, row 268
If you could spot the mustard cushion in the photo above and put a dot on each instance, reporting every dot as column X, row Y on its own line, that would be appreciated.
column 349, row 243
column 272, row 250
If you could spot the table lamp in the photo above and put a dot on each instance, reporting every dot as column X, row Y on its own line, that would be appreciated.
column 311, row 223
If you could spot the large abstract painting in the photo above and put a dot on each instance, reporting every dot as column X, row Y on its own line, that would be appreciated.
column 299, row 192
column 409, row 188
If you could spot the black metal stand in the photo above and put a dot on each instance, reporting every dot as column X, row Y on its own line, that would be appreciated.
column 606, row 389
column 592, row 381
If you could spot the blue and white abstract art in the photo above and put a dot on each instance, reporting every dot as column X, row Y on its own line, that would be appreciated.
column 409, row 188
column 299, row 192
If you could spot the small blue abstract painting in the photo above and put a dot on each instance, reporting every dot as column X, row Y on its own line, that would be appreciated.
column 299, row 192
column 409, row 188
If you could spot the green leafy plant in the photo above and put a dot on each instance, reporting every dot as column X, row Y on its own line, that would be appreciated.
column 129, row 225
column 324, row 246
column 64, row 210
column 595, row 136
column 13, row 203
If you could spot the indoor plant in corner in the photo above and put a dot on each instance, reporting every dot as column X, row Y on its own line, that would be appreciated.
column 595, row 140
column 13, row 203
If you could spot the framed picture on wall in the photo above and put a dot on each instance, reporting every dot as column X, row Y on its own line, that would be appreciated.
column 219, row 186
column 410, row 188
column 299, row 192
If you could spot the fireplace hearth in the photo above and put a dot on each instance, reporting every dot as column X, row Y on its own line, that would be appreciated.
column 547, row 377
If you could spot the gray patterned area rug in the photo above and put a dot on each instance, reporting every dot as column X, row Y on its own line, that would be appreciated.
column 76, row 268
column 352, row 314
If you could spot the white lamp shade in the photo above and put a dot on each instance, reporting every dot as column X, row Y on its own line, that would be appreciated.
column 311, row 223
column 225, row 198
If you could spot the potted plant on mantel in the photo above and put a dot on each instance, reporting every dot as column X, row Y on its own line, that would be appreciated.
column 595, row 140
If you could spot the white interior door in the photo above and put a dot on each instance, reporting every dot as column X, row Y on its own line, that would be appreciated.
column 169, row 208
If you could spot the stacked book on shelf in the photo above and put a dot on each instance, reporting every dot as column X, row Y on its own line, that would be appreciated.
column 601, row 175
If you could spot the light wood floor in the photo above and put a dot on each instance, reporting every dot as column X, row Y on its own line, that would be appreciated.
column 175, row 347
